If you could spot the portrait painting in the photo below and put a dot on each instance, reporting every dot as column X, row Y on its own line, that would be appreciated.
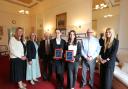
column 61, row 21
column 1, row 30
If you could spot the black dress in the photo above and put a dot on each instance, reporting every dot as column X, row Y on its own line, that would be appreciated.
column 107, row 69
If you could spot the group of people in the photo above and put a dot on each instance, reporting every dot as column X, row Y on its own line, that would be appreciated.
column 24, row 57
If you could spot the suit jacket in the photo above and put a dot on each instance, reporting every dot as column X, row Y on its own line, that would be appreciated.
column 31, row 50
column 110, row 53
column 53, row 46
column 101, row 41
column 42, row 50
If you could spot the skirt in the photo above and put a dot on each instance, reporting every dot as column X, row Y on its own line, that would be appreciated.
column 33, row 70
column 17, row 69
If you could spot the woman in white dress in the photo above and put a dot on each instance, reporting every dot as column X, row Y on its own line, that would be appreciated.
column 33, row 68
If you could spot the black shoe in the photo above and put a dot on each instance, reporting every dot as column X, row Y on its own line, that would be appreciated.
column 67, row 87
column 45, row 79
column 49, row 78
column 82, row 85
column 91, row 87
column 59, row 88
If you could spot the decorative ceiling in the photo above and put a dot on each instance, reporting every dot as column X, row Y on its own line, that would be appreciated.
column 31, row 3
column 110, row 3
column 25, row 3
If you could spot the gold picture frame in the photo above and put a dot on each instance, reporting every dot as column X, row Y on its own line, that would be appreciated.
column 1, row 31
column 61, row 21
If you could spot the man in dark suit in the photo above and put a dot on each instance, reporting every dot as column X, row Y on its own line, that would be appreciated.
column 101, row 40
column 58, row 43
column 44, row 55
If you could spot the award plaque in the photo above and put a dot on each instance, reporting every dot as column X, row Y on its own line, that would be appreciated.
column 58, row 54
column 69, row 56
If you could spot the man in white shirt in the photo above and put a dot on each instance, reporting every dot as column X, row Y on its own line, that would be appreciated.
column 90, row 49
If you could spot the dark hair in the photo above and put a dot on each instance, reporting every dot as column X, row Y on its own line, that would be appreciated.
column 69, row 39
column 101, row 35
column 57, row 29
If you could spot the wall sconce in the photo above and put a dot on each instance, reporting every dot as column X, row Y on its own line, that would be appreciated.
column 79, row 23
column 48, row 28
column 79, row 26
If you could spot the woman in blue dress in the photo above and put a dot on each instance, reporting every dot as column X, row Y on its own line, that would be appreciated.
column 33, row 68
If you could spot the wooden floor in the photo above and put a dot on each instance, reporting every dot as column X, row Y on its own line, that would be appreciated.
column 118, row 84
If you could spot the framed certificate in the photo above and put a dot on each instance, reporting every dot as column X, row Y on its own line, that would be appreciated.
column 58, row 54
column 69, row 56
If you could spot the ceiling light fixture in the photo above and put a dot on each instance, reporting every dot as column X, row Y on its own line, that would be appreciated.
column 100, row 6
column 108, row 15
column 23, row 12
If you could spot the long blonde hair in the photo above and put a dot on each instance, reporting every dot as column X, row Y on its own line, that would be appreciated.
column 109, row 41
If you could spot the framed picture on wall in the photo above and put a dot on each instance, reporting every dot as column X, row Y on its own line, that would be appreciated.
column 81, row 35
column 61, row 21
column 1, row 31
column 63, row 31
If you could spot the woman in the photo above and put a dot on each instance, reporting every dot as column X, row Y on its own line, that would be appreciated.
column 108, row 58
column 18, row 58
column 33, row 69
column 72, row 67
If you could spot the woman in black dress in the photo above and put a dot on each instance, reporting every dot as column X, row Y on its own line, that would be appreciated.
column 108, row 58
column 18, row 58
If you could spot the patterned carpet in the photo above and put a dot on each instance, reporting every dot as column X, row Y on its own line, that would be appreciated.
column 5, row 82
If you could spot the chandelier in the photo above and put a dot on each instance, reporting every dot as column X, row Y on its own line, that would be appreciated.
column 23, row 12
column 100, row 6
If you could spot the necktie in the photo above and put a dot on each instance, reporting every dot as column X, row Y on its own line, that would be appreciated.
column 47, row 47
column 88, row 54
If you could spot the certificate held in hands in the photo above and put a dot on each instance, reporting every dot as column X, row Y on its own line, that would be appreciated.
column 69, row 56
column 58, row 54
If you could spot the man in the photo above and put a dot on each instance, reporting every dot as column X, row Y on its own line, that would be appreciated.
column 58, row 43
column 44, row 54
column 101, row 40
column 90, row 49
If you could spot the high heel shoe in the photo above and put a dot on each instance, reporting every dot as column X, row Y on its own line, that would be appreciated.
column 36, row 80
column 22, row 87
column 24, row 84
column 32, row 82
